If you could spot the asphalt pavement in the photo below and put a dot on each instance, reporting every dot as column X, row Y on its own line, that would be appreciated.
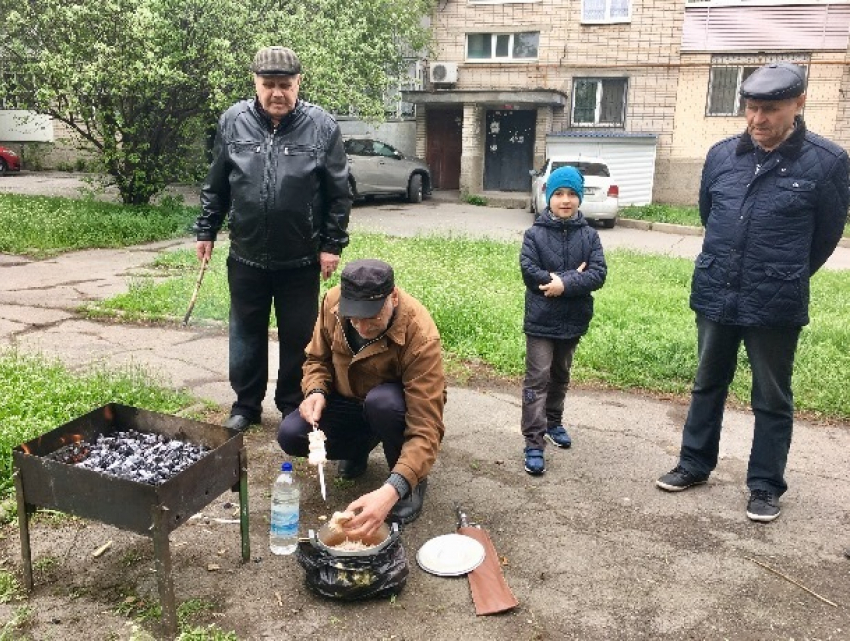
column 595, row 550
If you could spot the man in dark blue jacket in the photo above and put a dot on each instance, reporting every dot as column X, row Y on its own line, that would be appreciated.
column 773, row 201
column 280, row 172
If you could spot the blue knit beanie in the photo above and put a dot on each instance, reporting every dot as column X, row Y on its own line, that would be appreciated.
column 565, row 177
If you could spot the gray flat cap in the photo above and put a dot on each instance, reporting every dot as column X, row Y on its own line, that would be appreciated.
column 774, row 81
column 276, row 61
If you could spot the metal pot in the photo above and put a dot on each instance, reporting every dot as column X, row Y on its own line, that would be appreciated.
column 326, row 538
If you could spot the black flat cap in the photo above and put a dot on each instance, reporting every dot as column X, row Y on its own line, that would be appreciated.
column 774, row 81
column 276, row 61
column 365, row 285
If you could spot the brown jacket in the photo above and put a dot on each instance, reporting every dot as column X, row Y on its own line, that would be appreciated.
column 410, row 352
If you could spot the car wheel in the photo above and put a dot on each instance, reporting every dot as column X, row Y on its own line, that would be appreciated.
column 2, row 167
column 414, row 189
column 608, row 223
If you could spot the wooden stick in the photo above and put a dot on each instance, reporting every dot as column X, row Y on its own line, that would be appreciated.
column 103, row 548
column 197, row 289
column 790, row 580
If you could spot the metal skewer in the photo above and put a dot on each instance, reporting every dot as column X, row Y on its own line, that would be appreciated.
column 321, row 467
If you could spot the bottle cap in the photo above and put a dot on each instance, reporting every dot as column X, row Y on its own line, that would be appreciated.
column 286, row 467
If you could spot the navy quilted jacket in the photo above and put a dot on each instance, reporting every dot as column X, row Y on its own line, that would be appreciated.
column 768, row 228
column 560, row 246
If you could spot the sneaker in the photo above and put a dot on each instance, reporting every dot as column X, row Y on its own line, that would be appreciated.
column 239, row 423
column 679, row 479
column 534, row 461
column 763, row 506
column 558, row 436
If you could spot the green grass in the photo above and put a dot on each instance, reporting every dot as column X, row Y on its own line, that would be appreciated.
column 41, row 226
column 642, row 337
column 676, row 214
column 38, row 395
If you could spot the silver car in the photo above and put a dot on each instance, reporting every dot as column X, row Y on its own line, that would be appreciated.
column 601, row 195
column 377, row 168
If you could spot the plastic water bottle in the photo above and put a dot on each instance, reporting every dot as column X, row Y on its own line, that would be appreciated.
column 286, row 496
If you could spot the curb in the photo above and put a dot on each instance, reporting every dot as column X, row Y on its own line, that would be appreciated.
column 664, row 228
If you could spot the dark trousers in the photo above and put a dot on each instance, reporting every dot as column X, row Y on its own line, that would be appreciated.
column 352, row 428
column 295, row 294
column 547, row 378
column 770, row 351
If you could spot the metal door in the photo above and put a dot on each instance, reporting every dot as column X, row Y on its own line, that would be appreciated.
column 509, row 149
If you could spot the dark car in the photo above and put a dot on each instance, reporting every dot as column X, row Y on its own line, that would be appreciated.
column 380, row 169
column 9, row 161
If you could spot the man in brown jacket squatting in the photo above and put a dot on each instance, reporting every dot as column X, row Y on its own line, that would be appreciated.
column 374, row 374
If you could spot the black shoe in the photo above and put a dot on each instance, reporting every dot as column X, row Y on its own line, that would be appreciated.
column 679, row 479
column 408, row 509
column 238, row 422
column 763, row 506
column 350, row 469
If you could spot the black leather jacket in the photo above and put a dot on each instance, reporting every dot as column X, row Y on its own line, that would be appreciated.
column 285, row 189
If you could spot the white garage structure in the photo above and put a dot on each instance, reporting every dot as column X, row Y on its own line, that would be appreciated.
column 630, row 157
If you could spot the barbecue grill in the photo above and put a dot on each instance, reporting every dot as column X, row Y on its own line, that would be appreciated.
column 150, row 510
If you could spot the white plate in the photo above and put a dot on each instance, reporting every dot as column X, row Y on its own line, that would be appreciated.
column 450, row 555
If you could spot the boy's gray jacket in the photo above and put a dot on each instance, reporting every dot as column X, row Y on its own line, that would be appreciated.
column 286, row 189
column 560, row 247
column 768, row 229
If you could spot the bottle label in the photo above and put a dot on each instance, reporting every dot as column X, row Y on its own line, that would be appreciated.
column 284, row 522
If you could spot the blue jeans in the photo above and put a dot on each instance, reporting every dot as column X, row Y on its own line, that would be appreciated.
column 770, row 351
column 352, row 428
column 547, row 377
column 295, row 294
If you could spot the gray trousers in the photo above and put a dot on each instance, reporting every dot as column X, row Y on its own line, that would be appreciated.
column 547, row 377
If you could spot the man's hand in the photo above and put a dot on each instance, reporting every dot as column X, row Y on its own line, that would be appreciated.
column 553, row 288
column 370, row 511
column 328, row 262
column 311, row 408
column 203, row 249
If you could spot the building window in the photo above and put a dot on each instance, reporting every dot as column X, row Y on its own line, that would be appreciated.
column 724, row 85
column 599, row 102
column 502, row 46
column 606, row 11
column 10, row 91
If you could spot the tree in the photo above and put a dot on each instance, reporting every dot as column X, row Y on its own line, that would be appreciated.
column 140, row 82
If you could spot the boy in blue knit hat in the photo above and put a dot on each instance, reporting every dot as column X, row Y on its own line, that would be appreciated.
column 562, row 263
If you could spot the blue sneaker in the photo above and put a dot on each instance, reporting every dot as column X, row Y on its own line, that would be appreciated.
column 558, row 436
column 534, row 461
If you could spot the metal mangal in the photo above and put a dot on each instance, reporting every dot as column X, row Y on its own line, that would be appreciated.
column 151, row 510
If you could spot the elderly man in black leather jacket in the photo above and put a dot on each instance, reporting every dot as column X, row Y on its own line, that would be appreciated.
column 773, row 201
column 279, row 170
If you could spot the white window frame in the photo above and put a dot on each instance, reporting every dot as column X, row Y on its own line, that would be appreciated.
column 494, row 36
column 598, row 108
column 607, row 18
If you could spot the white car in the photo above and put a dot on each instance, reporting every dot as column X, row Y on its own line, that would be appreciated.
column 601, row 200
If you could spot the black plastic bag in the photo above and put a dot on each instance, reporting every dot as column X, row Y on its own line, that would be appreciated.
column 352, row 578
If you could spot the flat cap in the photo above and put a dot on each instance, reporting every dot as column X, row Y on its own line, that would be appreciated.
column 276, row 61
column 365, row 285
column 774, row 81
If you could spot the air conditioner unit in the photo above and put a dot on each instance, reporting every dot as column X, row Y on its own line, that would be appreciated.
column 443, row 73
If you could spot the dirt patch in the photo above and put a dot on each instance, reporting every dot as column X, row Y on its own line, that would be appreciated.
column 588, row 558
